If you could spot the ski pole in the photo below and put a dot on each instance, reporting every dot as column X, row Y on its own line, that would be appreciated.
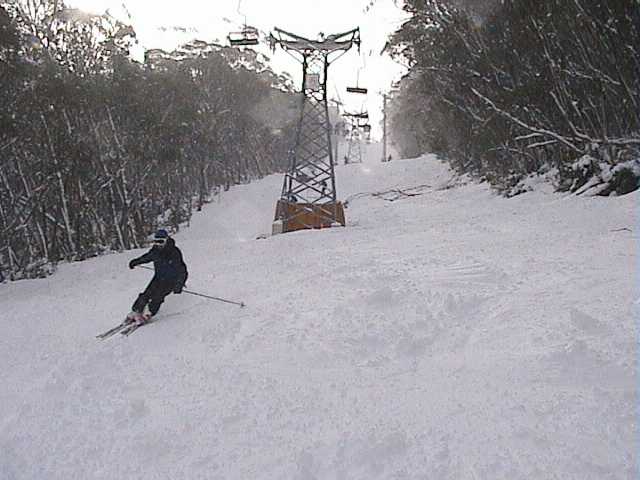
column 241, row 304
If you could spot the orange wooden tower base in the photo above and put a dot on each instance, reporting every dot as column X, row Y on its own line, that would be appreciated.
column 291, row 216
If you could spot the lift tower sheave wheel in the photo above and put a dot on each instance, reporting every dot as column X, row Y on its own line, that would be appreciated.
column 308, row 199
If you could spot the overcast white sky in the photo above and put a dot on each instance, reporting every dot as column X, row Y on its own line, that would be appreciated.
column 213, row 19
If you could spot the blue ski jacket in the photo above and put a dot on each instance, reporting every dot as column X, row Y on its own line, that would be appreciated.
column 167, row 262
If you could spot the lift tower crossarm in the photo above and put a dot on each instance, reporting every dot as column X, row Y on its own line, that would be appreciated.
column 332, row 43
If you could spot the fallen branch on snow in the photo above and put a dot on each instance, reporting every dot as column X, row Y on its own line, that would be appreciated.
column 390, row 195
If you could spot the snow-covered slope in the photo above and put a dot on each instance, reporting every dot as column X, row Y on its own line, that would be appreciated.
column 451, row 334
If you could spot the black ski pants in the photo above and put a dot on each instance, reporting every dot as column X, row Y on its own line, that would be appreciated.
column 153, row 295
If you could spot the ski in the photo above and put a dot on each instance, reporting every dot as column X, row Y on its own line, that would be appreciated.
column 132, row 328
column 114, row 330
column 126, row 328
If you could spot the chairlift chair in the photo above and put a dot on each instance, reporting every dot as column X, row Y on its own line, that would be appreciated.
column 246, row 37
column 357, row 90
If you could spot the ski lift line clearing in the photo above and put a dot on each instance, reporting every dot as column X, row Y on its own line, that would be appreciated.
column 248, row 36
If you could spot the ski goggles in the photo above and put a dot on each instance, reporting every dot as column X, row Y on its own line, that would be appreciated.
column 159, row 241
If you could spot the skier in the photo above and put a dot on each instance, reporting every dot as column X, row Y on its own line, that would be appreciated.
column 170, row 276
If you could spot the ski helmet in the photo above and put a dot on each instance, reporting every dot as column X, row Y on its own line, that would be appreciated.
column 161, row 234
column 160, row 237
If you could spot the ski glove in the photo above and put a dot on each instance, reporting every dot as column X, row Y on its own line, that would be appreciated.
column 178, row 289
column 132, row 264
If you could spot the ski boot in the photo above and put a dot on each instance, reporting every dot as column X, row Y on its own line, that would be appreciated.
column 132, row 317
column 144, row 317
column 138, row 318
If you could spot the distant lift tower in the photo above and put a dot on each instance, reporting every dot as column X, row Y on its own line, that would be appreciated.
column 308, row 198
column 358, row 131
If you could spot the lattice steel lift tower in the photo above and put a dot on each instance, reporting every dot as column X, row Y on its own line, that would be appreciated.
column 308, row 198
column 359, row 130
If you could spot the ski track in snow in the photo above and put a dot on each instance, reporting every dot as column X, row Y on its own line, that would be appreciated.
column 450, row 335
